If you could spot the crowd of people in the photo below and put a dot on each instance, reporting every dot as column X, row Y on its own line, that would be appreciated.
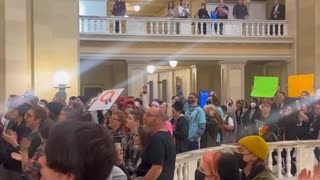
column 240, row 11
column 138, row 140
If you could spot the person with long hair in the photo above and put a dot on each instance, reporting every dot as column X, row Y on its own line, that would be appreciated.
column 214, row 128
column 171, row 12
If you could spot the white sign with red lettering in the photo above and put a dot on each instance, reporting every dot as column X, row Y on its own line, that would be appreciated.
column 106, row 99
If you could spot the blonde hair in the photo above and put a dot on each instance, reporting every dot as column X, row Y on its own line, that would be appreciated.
column 209, row 107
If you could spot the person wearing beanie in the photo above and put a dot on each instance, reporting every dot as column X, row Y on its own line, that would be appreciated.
column 53, row 110
column 251, row 155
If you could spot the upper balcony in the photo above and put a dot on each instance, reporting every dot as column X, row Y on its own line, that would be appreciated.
column 150, row 38
column 183, row 30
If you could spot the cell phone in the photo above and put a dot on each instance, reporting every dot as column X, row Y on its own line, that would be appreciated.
column 298, row 104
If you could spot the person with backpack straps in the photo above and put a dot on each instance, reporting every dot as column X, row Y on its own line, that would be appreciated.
column 229, row 135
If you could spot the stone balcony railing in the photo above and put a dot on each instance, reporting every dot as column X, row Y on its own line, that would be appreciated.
column 186, row 163
column 182, row 27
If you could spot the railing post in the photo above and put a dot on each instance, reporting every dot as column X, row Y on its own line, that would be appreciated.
column 270, row 159
column 285, row 29
column 288, row 162
column 279, row 29
column 263, row 29
column 274, row 30
column 162, row 25
column 258, row 28
column 157, row 27
column 279, row 164
column 268, row 29
column 247, row 29
column 252, row 29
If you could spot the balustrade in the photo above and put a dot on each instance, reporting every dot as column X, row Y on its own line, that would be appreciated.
column 283, row 158
column 190, row 27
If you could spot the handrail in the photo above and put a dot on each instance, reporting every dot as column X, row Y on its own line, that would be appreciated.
column 181, row 26
column 182, row 19
column 302, row 157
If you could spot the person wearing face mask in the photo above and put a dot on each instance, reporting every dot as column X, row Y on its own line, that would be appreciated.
column 218, row 166
column 248, row 120
column 251, row 155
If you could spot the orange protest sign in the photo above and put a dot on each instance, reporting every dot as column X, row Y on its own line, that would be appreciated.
column 299, row 83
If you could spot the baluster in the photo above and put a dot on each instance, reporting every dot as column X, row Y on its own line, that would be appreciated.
column 200, row 27
column 162, row 24
column 279, row 164
column 270, row 160
column 298, row 165
column 94, row 26
column 100, row 25
column 89, row 25
column 279, row 29
column 157, row 27
column 114, row 26
column 151, row 27
column 120, row 26
column 252, row 29
column 192, row 166
column 263, row 29
column 258, row 29
column 207, row 27
column 285, row 29
column 247, row 29
column 274, row 30
column 288, row 161
column 175, row 28
column 185, row 169
column 218, row 28
column 180, row 171
column 169, row 27
column 268, row 29
column 82, row 24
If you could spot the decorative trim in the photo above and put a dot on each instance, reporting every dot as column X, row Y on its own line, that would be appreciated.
column 186, row 38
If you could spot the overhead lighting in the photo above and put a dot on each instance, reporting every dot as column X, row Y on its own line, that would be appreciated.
column 126, row 16
column 136, row 8
column 173, row 63
column 151, row 69
column 61, row 77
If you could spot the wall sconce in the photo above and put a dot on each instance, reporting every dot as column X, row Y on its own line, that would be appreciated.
column 136, row 8
column 173, row 63
column 151, row 69
column 60, row 80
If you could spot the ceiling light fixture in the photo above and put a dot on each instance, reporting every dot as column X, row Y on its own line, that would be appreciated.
column 136, row 8
column 173, row 63
column 151, row 69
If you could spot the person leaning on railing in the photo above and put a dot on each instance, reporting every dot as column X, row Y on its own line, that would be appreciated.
column 251, row 154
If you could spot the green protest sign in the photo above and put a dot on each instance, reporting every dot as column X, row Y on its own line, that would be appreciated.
column 264, row 86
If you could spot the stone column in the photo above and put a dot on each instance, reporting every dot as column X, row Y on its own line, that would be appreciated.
column 232, row 80
column 56, row 44
column 14, row 48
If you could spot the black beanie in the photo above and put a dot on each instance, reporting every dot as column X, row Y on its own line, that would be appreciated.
column 55, row 108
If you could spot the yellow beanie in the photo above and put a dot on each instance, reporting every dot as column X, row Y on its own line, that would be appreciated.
column 256, row 145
